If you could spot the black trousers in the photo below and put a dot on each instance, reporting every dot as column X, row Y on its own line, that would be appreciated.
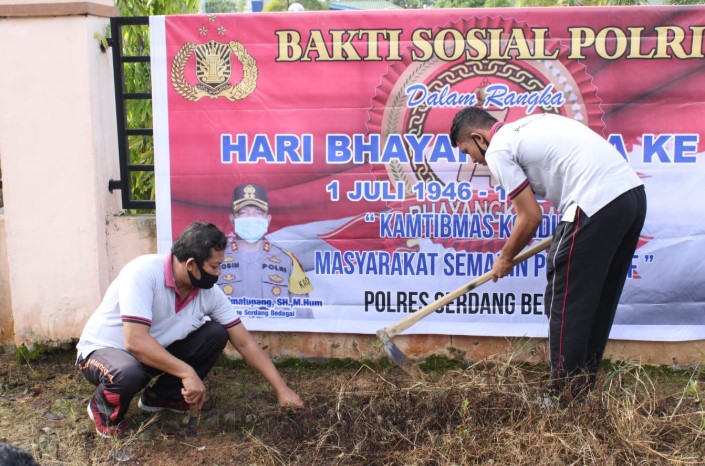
column 588, row 263
column 118, row 376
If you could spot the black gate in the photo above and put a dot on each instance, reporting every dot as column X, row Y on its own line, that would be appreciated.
column 133, row 105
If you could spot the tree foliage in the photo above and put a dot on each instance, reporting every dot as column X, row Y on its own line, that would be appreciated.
column 224, row 6
column 283, row 5
column 460, row 3
column 156, row 7
column 414, row 4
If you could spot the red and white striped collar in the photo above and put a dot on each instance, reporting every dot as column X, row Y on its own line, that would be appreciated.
column 495, row 128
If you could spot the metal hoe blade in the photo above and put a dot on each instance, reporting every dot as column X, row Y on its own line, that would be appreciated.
column 398, row 357
column 192, row 426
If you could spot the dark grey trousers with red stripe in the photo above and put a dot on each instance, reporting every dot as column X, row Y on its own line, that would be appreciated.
column 588, row 264
column 118, row 376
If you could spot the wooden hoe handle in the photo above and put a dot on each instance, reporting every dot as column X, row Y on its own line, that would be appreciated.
column 401, row 325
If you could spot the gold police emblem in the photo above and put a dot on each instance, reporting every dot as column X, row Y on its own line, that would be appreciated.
column 213, row 71
column 228, row 289
column 276, row 279
column 250, row 192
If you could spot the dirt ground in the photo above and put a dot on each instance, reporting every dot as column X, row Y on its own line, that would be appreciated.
column 368, row 414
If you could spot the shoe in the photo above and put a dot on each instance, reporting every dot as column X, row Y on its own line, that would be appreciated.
column 151, row 403
column 553, row 399
column 103, row 428
column 549, row 401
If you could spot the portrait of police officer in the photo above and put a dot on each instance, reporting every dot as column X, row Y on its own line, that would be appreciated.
column 256, row 269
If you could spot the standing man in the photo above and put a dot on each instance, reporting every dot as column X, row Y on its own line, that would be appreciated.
column 603, row 206
column 162, row 317
column 254, row 267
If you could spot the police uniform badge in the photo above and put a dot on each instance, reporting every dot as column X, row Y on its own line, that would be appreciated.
column 276, row 279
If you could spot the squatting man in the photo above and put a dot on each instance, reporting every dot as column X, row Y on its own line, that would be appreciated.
column 163, row 318
column 603, row 206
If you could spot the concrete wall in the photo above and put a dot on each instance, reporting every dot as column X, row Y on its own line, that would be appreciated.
column 59, row 149
column 472, row 348
column 63, row 235
column 129, row 236
column 7, row 332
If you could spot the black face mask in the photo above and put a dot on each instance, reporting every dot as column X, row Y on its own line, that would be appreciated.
column 487, row 143
column 206, row 281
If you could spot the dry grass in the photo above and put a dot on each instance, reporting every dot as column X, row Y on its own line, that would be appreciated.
column 487, row 413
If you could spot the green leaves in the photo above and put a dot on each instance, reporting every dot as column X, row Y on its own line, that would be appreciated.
column 156, row 7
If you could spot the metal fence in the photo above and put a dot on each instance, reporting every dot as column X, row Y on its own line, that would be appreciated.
column 135, row 144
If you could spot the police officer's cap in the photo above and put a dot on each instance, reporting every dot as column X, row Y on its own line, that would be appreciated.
column 250, row 194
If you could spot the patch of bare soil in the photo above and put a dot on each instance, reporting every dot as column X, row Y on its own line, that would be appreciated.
column 360, row 414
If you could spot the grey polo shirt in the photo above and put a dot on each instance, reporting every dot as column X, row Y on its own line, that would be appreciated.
column 145, row 293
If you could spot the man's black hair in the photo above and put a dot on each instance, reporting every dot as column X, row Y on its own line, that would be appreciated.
column 197, row 240
column 469, row 118
column 11, row 455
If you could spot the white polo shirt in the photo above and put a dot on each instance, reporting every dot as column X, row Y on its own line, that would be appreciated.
column 145, row 292
column 562, row 160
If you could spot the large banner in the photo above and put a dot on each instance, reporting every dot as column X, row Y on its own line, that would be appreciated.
column 337, row 123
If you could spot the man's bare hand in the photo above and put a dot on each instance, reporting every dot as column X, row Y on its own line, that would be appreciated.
column 501, row 268
column 193, row 391
column 288, row 398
